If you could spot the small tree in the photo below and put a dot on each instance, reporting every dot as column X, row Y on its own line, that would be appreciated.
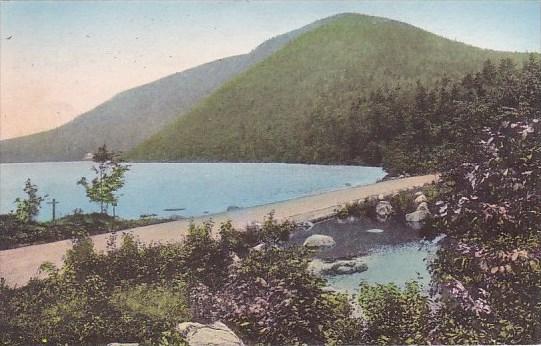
column 109, row 178
column 28, row 209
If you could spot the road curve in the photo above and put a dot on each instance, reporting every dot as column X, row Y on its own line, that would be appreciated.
column 17, row 266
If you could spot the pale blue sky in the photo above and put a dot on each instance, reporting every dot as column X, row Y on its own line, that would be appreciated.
column 66, row 57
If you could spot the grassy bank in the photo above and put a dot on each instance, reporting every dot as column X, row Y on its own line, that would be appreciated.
column 14, row 233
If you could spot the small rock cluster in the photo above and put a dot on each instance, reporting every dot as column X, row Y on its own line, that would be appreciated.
column 322, row 267
column 416, row 218
column 384, row 209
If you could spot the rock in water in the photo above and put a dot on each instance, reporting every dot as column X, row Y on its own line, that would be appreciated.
column 232, row 208
column 384, row 209
column 319, row 241
column 340, row 267
column 197, row 334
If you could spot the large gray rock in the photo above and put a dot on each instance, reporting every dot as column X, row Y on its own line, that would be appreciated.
column 384, row 210
column 340, row 267
column 319, row 241
column 216, row 334
column 417, row 216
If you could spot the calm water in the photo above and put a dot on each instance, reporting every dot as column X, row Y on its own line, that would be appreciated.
column 199, row 188
column 394, row 263
column 395, row 254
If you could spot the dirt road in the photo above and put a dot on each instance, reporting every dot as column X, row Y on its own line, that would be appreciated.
column 17, row 266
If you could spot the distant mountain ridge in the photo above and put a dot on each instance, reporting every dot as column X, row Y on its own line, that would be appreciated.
column 264, row 113
column 134, row 115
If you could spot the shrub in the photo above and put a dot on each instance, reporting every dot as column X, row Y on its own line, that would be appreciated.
column 395, row 316
column 270, row 233
column 271, row 298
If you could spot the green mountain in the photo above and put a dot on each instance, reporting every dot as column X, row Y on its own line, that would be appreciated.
column 134, row 115
column 264, row 113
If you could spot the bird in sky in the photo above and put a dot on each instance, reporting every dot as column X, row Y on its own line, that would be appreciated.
column 9, row 38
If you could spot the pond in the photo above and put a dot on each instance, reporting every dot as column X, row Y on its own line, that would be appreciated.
column 392, row 251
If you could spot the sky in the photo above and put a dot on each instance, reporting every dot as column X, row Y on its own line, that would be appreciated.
column 59, row 59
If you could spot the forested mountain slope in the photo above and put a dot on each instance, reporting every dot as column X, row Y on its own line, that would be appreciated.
column 274, row 111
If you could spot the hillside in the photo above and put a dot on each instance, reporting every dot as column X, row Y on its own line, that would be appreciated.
column 263, row 114
column 133, row 115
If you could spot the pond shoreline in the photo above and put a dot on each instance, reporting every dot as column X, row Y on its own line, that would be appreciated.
column 18, row 265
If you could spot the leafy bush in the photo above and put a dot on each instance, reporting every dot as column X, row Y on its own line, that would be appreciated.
column 270, row 233
column 271, row 298
column 395, row 316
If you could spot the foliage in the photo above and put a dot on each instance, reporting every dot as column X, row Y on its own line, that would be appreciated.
column 270, row 233
column 271, row 298
column 395, row 316
column 205, row 256
column 93, row 298
column 109, row 178
column 27, row 209
column 488, row 271
column 137, row 292
column 153, row 300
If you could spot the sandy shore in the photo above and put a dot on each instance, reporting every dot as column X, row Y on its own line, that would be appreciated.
column 17, row 266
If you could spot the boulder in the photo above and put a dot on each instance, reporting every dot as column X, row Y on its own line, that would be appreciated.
column 340, row 267
column 233, row 207
column 417, row 216
column 197, row 334
column 420, row 199
column 423, row 206
column 384, row 210
column 319, row 241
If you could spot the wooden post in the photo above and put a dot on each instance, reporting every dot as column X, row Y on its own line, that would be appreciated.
column 54, row 203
